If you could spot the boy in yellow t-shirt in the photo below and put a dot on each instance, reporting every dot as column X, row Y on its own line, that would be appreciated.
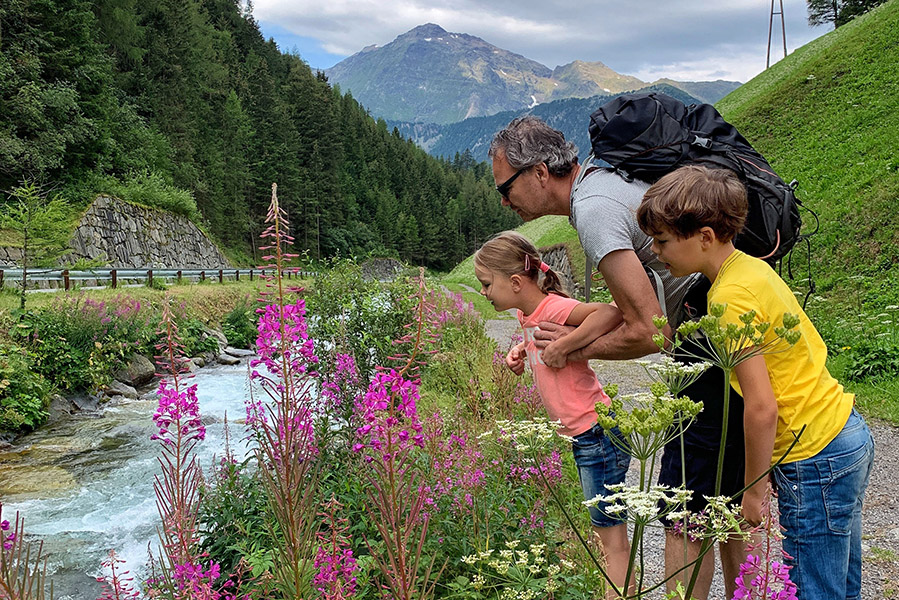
column 693, row 215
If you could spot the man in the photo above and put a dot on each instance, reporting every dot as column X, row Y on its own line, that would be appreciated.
column 537, row 173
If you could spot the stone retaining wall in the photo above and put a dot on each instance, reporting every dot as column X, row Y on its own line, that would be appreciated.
column 126, row 236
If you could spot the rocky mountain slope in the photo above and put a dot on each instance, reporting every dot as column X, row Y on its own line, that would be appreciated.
column 429, row 75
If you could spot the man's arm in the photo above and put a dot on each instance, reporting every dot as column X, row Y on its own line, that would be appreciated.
column 760, row 430
column 634, row 295
column 591, row 321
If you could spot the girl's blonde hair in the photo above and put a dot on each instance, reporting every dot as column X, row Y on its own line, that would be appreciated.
column 510, row 253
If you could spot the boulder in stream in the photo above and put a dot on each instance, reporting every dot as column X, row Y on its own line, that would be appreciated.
column 140, row 370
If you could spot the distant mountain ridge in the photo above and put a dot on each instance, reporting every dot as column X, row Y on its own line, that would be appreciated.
column 571, row 116
column 429, row 75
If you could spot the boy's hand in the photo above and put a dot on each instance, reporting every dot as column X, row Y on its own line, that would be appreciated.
column 752, row 505
column 515, row 359
column 553, row 357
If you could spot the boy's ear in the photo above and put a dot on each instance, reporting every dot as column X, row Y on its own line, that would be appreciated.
column 707, row 236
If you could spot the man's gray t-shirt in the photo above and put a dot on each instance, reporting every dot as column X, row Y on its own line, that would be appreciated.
column 604, row 212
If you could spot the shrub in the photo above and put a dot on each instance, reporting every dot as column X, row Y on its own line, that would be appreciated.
column 151, row 189
column 24, row 395
column 239, row 325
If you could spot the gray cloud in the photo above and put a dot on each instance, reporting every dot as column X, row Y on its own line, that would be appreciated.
column 647, row 38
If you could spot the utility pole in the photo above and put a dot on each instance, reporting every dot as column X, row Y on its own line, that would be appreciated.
column 783, row 29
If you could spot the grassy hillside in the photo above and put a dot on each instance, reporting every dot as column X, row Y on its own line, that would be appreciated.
column 826, row 116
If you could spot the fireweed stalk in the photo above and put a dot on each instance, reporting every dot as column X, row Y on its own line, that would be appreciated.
column 335, row 577
column 23, row 568
column 388, row 440
column 283, row 427
column 117, row 583
column 177, row 486
column 764, row 569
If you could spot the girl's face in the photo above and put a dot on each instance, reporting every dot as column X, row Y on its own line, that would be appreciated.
column 497, row 288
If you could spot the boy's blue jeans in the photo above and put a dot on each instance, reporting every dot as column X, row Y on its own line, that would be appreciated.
column 820, row 500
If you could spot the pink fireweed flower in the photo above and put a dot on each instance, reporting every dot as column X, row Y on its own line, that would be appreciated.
column 343, row 380
column 178, row 414
column 771, row 583
column 388, row 409
column 297, row 347
column 336, row 576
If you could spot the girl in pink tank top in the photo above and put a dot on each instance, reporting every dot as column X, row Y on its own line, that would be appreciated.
column 513, row 275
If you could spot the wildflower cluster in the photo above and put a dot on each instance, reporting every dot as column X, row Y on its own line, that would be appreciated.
column 283, row 339
column 457, row 471
column 389, row 415
column 675, row 375
column 762, row 575
column 336, row 566
column 344, row 377
column 720, row 521
column 23, row 568
column 642, row 505
column 732, row 343
column 8, row 538
column 767, row 582
column 526, row 435
column 647, row 421
column 178, row 415
column 515, row 573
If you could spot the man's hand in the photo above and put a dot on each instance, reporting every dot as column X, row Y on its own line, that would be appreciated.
column 554, row 357
column 548, row 333
column 515, row 358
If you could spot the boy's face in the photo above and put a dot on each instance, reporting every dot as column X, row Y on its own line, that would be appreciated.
column 681, row 256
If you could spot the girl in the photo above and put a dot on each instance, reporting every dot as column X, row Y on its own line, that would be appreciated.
column 512, row 275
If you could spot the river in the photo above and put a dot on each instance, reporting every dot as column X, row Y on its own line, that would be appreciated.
column 84, row 485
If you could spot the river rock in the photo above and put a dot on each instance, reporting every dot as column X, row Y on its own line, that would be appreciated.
column 117, row 388
column 86, row 402
column 225, row 359
column 218, row 335
column 238, row 352
column 140, row 370
column 199, row 361
column 60, row 407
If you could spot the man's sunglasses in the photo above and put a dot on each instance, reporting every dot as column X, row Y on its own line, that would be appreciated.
column 504, row 187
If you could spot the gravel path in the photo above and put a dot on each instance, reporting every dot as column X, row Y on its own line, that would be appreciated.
column 880, row 516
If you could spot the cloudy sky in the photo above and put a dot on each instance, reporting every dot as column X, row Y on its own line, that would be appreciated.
column 681, row 39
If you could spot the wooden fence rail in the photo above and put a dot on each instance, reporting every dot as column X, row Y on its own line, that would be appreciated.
column 114, row 276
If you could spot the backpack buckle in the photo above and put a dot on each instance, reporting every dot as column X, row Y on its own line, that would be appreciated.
column 701, row 142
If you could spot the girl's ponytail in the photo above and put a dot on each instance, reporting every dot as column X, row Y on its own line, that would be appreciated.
column 552, row 283
column 510, row 253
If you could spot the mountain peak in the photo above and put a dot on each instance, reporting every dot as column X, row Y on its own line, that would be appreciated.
column 426, row 30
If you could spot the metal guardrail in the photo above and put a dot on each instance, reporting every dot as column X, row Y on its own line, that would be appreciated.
column 66, row 276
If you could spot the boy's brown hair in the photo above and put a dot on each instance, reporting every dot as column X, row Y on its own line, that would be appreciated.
column 692, row 197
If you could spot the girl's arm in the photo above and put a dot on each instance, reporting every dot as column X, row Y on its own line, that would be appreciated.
column 592, row 321
column 759, row 429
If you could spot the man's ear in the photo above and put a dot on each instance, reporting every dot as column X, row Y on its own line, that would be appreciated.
column 542, row 172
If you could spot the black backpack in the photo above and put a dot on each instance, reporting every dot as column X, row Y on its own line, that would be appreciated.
column 647, row 135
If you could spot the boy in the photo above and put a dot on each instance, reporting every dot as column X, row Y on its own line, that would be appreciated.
column 693, row 215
